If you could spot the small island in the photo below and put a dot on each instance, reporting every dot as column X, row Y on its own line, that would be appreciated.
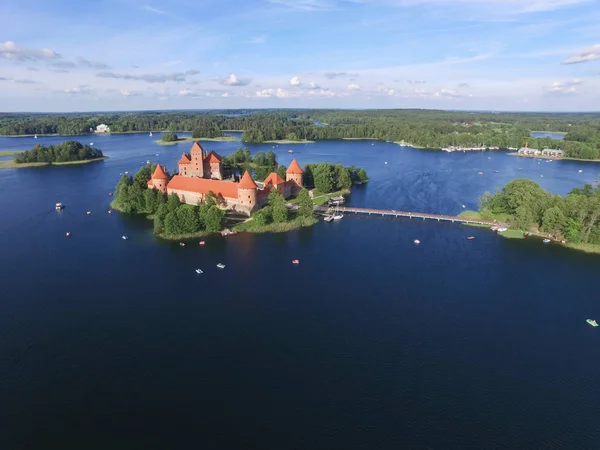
column 171, row 138
column 208, row 193
column 68, row 152
column 573, row 220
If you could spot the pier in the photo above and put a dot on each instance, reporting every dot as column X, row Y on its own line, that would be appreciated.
column 410, row 215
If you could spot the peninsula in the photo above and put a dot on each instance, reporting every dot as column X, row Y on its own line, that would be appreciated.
column 68, row 152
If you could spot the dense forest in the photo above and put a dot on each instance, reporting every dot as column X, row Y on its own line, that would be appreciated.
column 422, row 128
column 527, row 206
column 65, row 152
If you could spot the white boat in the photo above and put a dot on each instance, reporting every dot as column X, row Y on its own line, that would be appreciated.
column 328, row 218
column 337, row 215
column 91, row 143
column 592, row 322
column 124, row 237
column 35, row 136
column 221, row 266
column 386, row 162
column 446, row 149
column 545, row 241
column 198, row 271
column 150, row 134
column 580, row 171
column 502, row 229
column 416, row 241
column 59, row 206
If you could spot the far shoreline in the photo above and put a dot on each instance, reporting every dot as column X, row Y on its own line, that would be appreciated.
column 14, row 165
column 553, row 158
column 191, row 139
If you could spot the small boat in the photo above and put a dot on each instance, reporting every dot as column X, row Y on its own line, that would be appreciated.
column 88, row 213
column 147, row 161
column 150, row 134
column 416, row 241
column 110, row 211
column 480, row 173
column 59, row 206
column 338, row 216
column 295, row 261
column 328, row 218
column 463, row 206
column 386, row 162
column 124, row 237
column 201, row 243
column 471, row 238
column 198, row 271
column 290, row 151
column 182, row 244
column 68, row 233
column 592, row 322
column 545, row 241
column 91, row 143
column 221, row 266
column 580, row 170
column 594, row 181
column 110, row 194
column 502, row 229
column 35, row 136
column 542, row 176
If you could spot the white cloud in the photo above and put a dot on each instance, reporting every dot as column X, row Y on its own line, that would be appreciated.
column 265, row 93
column 322, row 93
column 512, row 6
column 153, row 9
column 305, row 5
column 313, row 85
column 295, row 81
column 151, row 77
column 564, row 87
column 233, row 80
column 10, row 50
column 79, row 90
column 354, row 87
column 127, row 93
column 589, row 54
column 186, row 92
column 225, row 94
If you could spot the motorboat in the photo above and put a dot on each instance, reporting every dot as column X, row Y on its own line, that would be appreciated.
column 290, row 151
column 110, row 211
column 463, row 206
column 480, row 173
column 295, row 261
column 59, row 206
column 221, row 266
column 35, row 136
column 89, row 212
column 68, row 233
column 228, row 232
column 580, row 170
column 328, row 218
column 338, row 216
column 201, row 243
column 545, row 241
column 182, row 244
column 592, row 322
column 124, row 237
column 198, row 271
column 502, row 229
column 150, row 134
column 416, row 241
column 471, row 238
column 110, row 194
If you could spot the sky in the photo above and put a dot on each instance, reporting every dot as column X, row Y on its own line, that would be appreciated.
column 109, row 55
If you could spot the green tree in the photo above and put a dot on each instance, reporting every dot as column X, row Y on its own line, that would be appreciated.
column 143, row 176
column 553, row 220
column 305, row 204
column 262, row 216
column 161, row 211
column 172, row 225
column 213, row 219
column 159, row 225
column 281, row 171
column 343, row 177
column 523, row 217
column 151, row 200
column 173, row 203
column 279, row 209
column 324, row 177
column 169, row 137
column 188, row 220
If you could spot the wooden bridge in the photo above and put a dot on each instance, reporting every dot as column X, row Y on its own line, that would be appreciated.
column 410, row 215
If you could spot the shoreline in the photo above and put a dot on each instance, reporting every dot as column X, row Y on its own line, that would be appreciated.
column 13, row 165
column 287, row 141
column 191, row 139
column 10, row 152
column 553, row 158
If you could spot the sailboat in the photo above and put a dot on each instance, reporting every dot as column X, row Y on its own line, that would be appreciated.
column 35, row 136
column 337, row 215
column 150, row 134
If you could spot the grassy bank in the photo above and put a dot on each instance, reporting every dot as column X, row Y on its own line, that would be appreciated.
column 14, row 165
column 320, row 199
column 10, row 152
column 288, row 141
column 408, row 144
column 297, row 222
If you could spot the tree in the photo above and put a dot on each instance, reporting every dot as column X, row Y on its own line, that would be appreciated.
column 213, row 219
column 143, row 176
column 343, row 177
column 278, row 206
column 361, row 175
column 262, row 216
column 159, row 225
column 173, row 203
column 172, row 225
column 553, row 220
column 169, row 137
column 188, row 220
column 151, row 201
column 211, row 199
column 523, row 218
column 161, row 211
column 324, row 177
column 306, row 205
column 281, row 171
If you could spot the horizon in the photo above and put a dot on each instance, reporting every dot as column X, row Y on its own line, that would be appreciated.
column 519, row 56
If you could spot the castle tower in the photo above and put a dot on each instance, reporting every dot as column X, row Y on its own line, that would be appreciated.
column 159, row 179
column 185, row 165
column 196, row 168
column 247, row 193
column 294, row 174
column 275, row 181
column 213, row 166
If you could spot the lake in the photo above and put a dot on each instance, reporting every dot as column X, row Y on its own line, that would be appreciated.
column 547, row 134
column 370, row 342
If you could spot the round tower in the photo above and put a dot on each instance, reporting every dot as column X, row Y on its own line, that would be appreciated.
column 247, row 192
column 160, row 179
column 295, row 174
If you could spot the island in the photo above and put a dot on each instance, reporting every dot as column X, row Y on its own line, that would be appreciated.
column 428, row 129
column 68, row 152
column 530, row 211
column 207, row 193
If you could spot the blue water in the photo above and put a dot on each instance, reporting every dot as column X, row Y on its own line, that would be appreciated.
column 544, row 134
column 370, row 343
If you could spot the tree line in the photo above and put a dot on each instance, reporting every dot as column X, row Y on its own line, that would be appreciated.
column 64, row 152
column 171, row 217
column 422, row 128
column 326, row 177
column 527, row 206
column 260, row 165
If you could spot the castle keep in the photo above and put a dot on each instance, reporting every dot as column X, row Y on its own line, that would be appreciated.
column 201, row 173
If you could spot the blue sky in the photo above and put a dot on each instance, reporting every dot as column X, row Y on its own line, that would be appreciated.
column 530, row 55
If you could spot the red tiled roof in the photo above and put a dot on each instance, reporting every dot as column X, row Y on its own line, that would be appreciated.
column 185, row 159
column 196, row 147
column 294, row 167
column 203, row 186
column 247, row 182
column 274, row 179
column 159, row 173
column 212, row 157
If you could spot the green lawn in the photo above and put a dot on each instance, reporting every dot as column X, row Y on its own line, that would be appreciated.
column 297, row 222
column 10, row 152
column 14, row 165
column 320, row 198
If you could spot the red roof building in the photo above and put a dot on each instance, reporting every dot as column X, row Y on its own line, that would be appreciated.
column 294, row 168
column 247, row 182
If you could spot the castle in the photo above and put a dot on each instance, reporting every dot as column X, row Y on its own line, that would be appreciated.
column 201, row 173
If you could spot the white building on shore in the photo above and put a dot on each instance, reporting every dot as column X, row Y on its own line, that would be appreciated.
column 102, row 129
